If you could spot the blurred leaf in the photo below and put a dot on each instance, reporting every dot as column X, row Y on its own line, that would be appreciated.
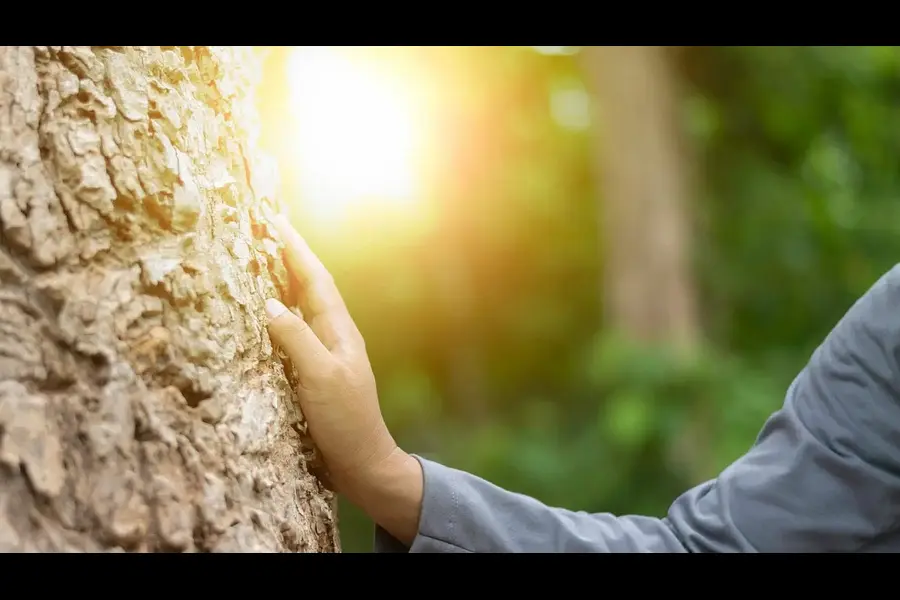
column 627, row 418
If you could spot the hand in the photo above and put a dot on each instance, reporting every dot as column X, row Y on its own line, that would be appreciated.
column 338, row 396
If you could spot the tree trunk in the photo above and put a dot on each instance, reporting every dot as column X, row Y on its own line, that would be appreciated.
column 645, row 184
column 648, row 286
column 141, row 405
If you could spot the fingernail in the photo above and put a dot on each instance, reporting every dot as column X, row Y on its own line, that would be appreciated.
column 274, row 308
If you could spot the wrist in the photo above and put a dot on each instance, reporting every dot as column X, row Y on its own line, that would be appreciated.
column 391, row 493
column 357, row 477
column 373, row 481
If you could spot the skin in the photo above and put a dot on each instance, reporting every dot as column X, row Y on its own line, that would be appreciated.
column 339, row 398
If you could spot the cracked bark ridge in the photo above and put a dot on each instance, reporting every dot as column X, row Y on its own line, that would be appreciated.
column 141, row 405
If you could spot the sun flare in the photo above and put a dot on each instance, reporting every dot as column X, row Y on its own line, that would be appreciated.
column 356, row 137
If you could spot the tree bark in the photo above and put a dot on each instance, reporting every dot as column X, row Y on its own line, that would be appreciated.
column 141, row 405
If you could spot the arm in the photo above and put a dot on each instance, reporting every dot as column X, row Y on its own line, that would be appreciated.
column 463, row 513
column 823, row 476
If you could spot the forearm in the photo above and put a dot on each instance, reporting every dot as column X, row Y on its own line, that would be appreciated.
column 428, row 507
column 467, row 513
column 460, row 512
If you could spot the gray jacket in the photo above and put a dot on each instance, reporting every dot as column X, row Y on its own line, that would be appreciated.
column 823, row 475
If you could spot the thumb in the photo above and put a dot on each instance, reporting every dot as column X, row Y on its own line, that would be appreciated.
column 297, row 339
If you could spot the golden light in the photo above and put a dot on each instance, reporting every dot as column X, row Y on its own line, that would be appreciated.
column 356, row 138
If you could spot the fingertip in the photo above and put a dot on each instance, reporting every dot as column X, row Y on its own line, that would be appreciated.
column 293, row 335
column 274, row 309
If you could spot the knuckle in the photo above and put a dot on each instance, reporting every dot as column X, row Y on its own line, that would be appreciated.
column 321, row 278
column 329, row 374
column 295, row 326
column 359, row 340
column 342, row 371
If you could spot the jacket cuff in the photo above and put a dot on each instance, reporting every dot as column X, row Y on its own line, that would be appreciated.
column 438, row 520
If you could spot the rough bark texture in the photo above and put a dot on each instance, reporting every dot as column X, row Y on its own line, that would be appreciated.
column 645, row 186
column 141, row 405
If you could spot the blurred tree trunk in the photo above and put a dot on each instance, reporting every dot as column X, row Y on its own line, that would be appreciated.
column 644, row 184
column 644, row 171
column 141, row 406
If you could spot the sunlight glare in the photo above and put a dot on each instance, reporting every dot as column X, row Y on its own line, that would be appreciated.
column 356, row 137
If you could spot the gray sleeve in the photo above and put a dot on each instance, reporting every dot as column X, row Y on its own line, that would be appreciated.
column 823, row 475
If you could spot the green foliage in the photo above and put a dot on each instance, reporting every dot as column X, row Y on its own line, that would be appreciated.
column 619, row 441
column 802, row 183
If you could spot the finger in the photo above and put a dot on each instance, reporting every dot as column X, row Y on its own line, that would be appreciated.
column 327, row 312
column 304, row 264
column 295, row 337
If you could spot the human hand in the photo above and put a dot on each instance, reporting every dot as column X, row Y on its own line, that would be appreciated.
column 338, row 395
